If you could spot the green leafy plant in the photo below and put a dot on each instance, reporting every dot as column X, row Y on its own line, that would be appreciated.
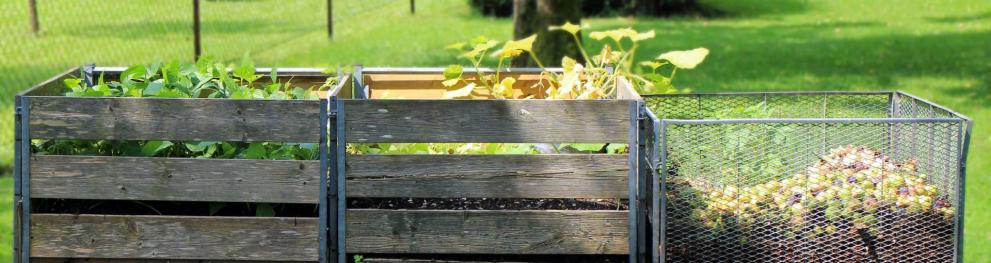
column 591, row 80
column 203, row 79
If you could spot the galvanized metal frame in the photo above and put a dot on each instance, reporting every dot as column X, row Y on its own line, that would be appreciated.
column 338, row 174
column 633, row 180
column 22, row 193
column 324, row 198
column 659, row 200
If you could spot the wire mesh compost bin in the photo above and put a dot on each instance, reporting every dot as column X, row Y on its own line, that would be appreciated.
column 808, row 177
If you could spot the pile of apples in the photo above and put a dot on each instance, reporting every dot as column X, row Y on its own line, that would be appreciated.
column 850, row 183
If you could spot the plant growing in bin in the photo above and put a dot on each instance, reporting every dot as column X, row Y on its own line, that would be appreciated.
column 591, row 80
column 203, row 79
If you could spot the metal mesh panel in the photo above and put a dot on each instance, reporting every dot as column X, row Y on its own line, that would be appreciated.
column 747, row 182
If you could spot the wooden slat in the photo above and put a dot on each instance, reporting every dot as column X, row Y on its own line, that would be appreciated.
column 486, row 232
column 174, row 179
column 428, row 85
column 508, row 121
column 132, row 260
column 174, row 119
column 496, row 176
column 174, row 237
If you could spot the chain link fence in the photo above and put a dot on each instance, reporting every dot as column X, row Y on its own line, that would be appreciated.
column 126, row 32
column 809, row 177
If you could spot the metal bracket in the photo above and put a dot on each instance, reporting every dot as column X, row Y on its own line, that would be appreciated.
column 87, row 74
column 358, row 83
column 22, row 156
column 325, row 231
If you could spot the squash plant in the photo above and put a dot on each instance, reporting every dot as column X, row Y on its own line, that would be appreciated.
column 591, row 80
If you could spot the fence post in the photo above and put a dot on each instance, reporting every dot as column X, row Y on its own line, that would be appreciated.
column 412, row 6
column 197, row 48
column 33, row 15
column 330, row 18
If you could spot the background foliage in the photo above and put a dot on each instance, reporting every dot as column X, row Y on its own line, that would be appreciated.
column 935, row 49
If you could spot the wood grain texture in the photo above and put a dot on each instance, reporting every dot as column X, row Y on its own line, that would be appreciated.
column 428, row 85
column 174, row 179
column 174, row 119
column 496, row 176
column 486, row 232
column 506, row 121
column 133, row 260
column 407, row 260
column 174, row 237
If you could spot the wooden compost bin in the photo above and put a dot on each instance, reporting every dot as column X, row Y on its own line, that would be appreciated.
column 43, row 113
column 421, row 117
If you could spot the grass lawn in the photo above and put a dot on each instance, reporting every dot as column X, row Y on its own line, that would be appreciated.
column 940, row 50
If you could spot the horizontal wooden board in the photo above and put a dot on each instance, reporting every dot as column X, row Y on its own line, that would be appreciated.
column 175, row 179
column 496, row 176
column 174, row 119
column 507, row 121
column 132, row 260
column 486, row 232
column 405, row 260
column 173, row 237
column 428, row 85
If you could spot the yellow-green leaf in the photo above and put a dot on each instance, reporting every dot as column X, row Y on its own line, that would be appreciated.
column 568, row 63
column 507, row 86
column 567, row 26
column 643, row 36
column 453, row 71
column 685, row 59
column 459, row 93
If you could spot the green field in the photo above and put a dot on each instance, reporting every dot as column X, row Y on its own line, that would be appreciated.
column 940, row 50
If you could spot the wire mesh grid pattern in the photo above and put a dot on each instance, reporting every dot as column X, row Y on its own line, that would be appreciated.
column 808, row 177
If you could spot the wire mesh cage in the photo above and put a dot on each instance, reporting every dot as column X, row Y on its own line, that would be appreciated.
column 808, row 177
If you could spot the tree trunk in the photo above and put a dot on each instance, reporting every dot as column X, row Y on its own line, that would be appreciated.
column 533, row 17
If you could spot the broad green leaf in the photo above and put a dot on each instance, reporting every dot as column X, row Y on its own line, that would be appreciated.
column 264, row 210
column 151, row 148
column 153, row 88
column 256, row 150
column 460, row 93
column 685, row 59
column 453, row 72
column 72, row 82
column 198, row 146
column 298, row 93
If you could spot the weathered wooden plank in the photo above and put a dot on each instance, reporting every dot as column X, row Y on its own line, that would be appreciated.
column 132, row 260
column 496, row 176
column 54, row 86
column 508, row 121
column 407, row 260
column 174, row 119
column 486, row 232
column 174, row 179
column 428, row 85
column 174, row 237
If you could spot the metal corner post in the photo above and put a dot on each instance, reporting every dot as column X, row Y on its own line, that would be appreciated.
column 660, row 199
column 966, row 129
column 22, row 194
column 340, row 145
column 324, row 230
column 632, row 187
column 644, row 174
